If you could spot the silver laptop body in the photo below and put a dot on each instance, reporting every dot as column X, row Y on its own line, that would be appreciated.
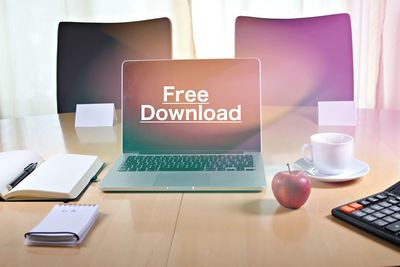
column 189, row 125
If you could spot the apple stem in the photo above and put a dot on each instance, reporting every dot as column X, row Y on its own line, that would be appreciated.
column 288, row 166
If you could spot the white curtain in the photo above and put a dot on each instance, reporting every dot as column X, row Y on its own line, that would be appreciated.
column 28, row 43
column 201, row 29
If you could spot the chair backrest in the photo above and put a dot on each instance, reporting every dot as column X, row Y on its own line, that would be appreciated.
column 303, row 60
column 90, row 55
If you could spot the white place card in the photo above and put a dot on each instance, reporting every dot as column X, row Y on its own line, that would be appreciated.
column 337, row 113
column 95, row 115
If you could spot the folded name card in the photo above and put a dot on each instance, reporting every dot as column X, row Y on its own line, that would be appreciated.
column 94, row 115
column 337, row 113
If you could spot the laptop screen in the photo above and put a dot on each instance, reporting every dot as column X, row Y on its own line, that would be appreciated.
column 191, row 106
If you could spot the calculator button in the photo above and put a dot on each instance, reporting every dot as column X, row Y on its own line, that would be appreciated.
column 369, row 218
column 376, row 207
column 394, row 227
column 395, row 208
column 378, row 214
column 387, row 211
column 385, row 204
column 372, row 199
column 367, row 210
column 364, row 202
column 358, row 213
column 380, row 222
column 396, row 216
column 389, row 219
column 356, row 206
column 381, row 196
column 347, row 209
column 393, row 201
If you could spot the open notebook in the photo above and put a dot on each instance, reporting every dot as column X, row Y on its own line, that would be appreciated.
column 65, row 225
column 60, row 177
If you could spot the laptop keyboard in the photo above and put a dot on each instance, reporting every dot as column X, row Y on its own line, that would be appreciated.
column 152, row 163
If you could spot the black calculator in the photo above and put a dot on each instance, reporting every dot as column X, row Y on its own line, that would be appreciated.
column 378, row 214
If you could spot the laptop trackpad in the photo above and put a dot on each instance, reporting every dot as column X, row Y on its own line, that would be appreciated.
column 182, row 179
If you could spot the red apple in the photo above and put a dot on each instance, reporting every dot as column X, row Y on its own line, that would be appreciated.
column 291, row 188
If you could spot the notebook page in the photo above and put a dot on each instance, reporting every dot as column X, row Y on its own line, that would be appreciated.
column 12, row 163
column 59, row 173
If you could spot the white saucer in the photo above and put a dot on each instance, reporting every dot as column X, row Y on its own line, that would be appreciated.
column 356, row 170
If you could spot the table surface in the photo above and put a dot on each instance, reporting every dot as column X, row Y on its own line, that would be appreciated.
column 209, row 229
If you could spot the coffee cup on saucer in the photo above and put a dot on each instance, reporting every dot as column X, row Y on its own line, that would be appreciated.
column 330, row 153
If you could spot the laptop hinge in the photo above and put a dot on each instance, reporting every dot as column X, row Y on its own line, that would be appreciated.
column 192, row 152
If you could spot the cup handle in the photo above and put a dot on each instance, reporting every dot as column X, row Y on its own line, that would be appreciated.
column 306, row 158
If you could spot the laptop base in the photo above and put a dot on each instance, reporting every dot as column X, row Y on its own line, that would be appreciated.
column 185, row 181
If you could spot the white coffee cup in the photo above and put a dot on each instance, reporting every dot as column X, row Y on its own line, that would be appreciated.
column 331, row 153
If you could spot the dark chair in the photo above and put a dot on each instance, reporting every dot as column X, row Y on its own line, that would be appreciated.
column 90, row 55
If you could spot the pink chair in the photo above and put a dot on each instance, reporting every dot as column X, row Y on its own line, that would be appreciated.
column 303, row 60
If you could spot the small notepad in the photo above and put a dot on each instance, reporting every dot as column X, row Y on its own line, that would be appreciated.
column 65, row 225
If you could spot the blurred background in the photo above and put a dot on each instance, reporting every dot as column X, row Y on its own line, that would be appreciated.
column 200, row 28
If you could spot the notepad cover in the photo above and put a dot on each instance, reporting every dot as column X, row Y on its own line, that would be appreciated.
column 65, row 225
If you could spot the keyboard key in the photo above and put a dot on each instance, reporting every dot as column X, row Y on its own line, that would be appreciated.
column 369, row 218
column 378, row 214
column 376, row 207
column 381, row 196
column 364, row 202
column 394, row 227
column 389, row 219
column 368, row 210
column 395, row 208
column 372, row 199
column 356, row 206
column 380, row 222
column 396, row 216
column 385, row 204
column 387, row 211
column 347, row 209
column 358, row 213
column 393, row 201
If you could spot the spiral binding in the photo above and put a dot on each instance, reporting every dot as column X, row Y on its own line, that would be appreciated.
column 77, row 205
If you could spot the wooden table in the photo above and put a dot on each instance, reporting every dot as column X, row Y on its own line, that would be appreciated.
column 209, row 229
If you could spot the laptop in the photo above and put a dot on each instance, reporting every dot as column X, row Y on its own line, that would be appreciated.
column 89, row 57
column 189, row 125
